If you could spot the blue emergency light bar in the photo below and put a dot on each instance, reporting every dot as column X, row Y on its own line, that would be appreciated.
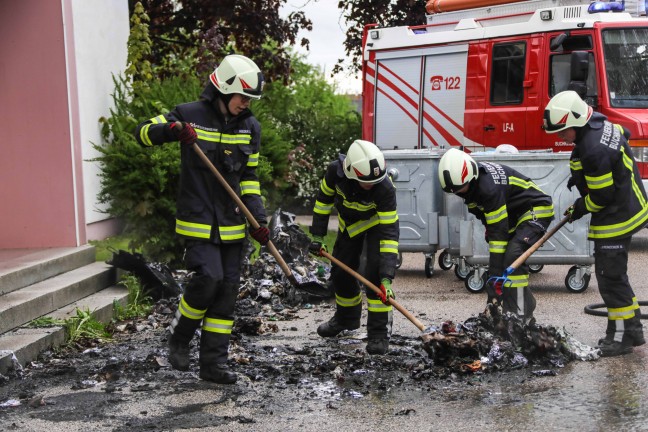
column 600, row 6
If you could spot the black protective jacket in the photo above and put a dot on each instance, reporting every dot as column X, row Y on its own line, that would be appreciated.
column 502, row 198
column 358, row 211
column 204, row 208
column 604, row 171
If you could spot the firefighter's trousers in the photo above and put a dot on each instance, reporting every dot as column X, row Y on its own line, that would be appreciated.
column 209, row 298
column 348, row 297
column 611, row 266
column 517, row 297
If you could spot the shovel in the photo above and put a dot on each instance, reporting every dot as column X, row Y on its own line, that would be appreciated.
column 310, row 287
column 374, row 288
column 522, row 258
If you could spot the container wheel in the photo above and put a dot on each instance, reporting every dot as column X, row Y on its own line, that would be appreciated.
column 574, row 283
column 461, row 271
column 445, row 261
column 429, row 267
column 535, row 268
column 475, row 284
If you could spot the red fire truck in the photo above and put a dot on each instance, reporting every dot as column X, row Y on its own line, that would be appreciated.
column 480, row 76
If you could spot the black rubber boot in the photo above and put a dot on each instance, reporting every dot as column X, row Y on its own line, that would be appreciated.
column 178, row 354
column 218, row 373
column 613, row 348
column 333, row 328
column 377, row 346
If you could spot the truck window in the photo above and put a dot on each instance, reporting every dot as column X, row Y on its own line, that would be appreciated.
column 507, row 73
column 626, row 65
column 560, row 71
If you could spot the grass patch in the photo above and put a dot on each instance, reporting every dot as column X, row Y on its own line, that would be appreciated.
column 138, row 304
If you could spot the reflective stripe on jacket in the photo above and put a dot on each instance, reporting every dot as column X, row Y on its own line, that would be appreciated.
column 608, row 178
column 502, row 198
column 358, row 211
column 204, row 208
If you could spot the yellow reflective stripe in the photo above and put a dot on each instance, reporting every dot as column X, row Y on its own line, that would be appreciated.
column 348, row 302
column 497, row 246
column 322, row 208
column 629, row 164
column 362, row 226
column 590, row 205
column 472, row 205
column 192, row 229
column 234, row 232
column 144, row 135
column 208, row 135
column 159, row 120
column 218, row 325
column 240, row 139
column 358, row 206
column 326, row 190
column 575, row 165
column 497, row 215
column 518, row 281
column 599, row 182
column 622, row 313
column 378, row 306
column 635, row 303
column 535, row 213
column 389, row 246
column 341, row 223
column 388, row 217
column 524, row 184
column 189, row 312
column 253, row 160
column 250, row 187
column 607, row 231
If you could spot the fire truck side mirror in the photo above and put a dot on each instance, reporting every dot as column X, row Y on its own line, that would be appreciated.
column 579, row 66
column 556, row 43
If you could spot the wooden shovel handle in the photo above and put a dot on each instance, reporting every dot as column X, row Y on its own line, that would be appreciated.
column 522, row 258
column 248, row 215
column 373, row 287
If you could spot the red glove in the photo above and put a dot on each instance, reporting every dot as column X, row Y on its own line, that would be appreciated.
column 184, row 133
column 261, row 234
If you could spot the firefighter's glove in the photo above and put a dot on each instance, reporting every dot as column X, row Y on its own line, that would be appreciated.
column 576, row 210
column 386, row 290
column 571, row 183
column 316, row 246
column 261, row 234
column 184, row 133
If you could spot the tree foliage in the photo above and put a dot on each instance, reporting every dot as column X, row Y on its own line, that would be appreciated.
column 384, row 13
column 215, row 28
column 304, row 124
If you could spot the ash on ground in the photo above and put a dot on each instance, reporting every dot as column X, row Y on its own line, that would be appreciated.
column 134, row 363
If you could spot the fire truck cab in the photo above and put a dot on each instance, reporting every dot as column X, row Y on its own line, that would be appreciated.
column 477, row 78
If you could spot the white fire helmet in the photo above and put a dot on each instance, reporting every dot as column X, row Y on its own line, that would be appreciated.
column 238, row 74
column 456, row 170
column 365, row 162
column 566, row 110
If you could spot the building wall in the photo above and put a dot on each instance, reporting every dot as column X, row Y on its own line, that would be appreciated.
column 52, row 96
column 101, row 34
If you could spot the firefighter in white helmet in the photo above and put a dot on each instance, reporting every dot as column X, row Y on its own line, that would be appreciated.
column 515, row 213
column 208, row 222
column 357, row 185
column 606, row 175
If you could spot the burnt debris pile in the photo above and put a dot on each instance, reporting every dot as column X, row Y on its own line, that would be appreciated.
column 493, row 341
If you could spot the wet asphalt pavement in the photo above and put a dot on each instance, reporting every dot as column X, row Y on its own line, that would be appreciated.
column 290, row 379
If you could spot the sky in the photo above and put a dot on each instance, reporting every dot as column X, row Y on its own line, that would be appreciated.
column 326, row 40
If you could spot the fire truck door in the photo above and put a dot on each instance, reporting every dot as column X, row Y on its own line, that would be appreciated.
column 505, row 112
